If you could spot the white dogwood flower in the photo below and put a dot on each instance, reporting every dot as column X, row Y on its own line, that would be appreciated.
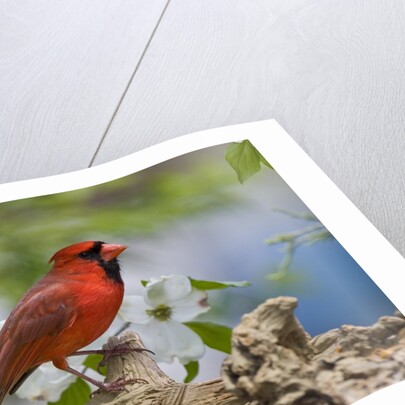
column 167, row 301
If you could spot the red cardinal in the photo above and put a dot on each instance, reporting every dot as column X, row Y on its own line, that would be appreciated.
column 66, row 310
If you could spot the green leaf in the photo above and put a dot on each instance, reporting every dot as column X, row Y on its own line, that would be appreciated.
column 192, row 371
column 216, row 285
column 245, row 159
column 217, row 337
column 92, row 362
column 144, row 282
column 77, row 393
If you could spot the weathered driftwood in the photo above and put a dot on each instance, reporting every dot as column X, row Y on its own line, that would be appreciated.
column 274, row 362
column 158, row 389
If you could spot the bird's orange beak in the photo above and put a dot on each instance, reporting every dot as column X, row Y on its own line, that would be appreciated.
column 110, row 251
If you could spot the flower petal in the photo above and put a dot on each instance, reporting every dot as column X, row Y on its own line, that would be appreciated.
column 167, row 289
column 133, row 309
column 170, row 339
column 190, row 306
column 46, row 383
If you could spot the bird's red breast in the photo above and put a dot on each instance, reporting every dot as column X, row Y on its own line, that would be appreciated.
column 66, row 310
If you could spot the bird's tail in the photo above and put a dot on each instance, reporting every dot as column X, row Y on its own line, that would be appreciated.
column 2, row 395
column 3, row 389
column 7, row 375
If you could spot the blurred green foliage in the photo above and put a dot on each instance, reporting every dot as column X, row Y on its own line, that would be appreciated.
column 135, row 206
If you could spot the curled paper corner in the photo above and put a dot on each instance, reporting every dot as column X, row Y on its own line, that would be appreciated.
column 378, row 258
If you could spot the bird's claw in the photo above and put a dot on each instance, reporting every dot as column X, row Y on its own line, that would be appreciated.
column 117, row 385
column 117, row 350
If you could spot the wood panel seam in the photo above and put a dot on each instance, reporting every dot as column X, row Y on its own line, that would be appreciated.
column 138, row 64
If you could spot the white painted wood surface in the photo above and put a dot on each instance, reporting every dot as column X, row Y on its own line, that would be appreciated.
column 330, row 71
column 63, row 67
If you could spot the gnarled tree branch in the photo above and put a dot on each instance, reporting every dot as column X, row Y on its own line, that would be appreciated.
column 273, row 362
column 158, row 389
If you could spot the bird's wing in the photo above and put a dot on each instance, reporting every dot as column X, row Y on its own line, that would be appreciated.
column 39, row 317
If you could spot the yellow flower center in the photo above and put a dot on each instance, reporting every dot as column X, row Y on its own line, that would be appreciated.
column 161, row 312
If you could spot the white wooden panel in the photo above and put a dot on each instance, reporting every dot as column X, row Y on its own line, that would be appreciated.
column 330, row 71
column 63, row 68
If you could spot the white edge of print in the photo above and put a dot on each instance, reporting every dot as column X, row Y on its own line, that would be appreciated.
column 378, row 258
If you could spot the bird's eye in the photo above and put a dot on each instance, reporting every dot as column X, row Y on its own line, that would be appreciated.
column 84, row 255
